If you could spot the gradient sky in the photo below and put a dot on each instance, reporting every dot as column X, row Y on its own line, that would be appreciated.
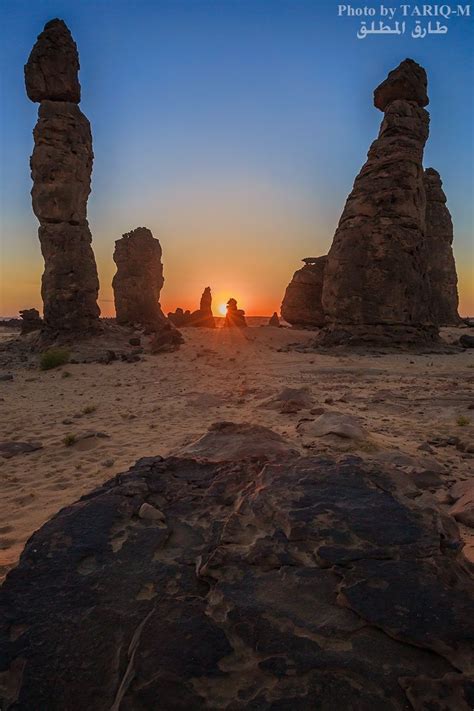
column 233, row 129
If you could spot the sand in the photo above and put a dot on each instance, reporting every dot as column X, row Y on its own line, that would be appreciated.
column 163, row 402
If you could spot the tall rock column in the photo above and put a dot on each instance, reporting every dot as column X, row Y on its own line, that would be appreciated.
column 61, row 167
column 376, row 282
column 139, row 279
column 441, row 264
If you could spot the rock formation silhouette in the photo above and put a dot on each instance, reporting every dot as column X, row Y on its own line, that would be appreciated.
column 235, row 318
column 30, row 321
column 61, row 167
column 376, row 280
column 441, row 264
column 274, row 320
column 201, row 318
column 179, row 317
column 139, row 279
column 301, row 304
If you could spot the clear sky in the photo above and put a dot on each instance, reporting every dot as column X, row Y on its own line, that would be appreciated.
column 233, row 129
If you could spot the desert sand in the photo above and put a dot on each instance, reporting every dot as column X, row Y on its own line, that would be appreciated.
column 115, row 414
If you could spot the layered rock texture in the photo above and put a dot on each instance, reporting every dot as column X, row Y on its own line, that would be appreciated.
column 139, row 279
column 302, row 304
column 189, row 584
column 61, row 167
column 376, row 280
column 441, row 264
column 235, row 318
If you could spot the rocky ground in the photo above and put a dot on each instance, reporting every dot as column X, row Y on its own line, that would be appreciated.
column 64, row 431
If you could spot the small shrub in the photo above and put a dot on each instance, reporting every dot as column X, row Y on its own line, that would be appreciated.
column 463, row 421
column 69, row 440
column 89, row 409
column 66, row 374
column 54, row 357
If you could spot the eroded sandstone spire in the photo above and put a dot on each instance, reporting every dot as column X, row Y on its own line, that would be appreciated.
column 203, row 316
column 441, row 264
column 139, row 279
column 376, row 282
column 61, row 167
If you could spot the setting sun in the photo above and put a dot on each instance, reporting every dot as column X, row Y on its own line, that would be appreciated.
column 223, row 309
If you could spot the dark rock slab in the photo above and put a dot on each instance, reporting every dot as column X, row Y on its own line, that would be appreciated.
column 11, row 449
column 287, row 586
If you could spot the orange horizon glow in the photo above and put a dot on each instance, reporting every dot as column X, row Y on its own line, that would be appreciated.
column 258, row 292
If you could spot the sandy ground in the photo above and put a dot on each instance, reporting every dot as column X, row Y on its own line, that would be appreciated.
column 165, row 401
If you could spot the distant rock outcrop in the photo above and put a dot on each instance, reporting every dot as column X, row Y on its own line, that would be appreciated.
column 290, row 584
column 376, row 280
column 179, row 317
column 61, row 167
column 441, row 264
column 235, row 318
column 274, row 321
column 201, row 318
column 139, row 279
column 302, row 301
column 31, row 321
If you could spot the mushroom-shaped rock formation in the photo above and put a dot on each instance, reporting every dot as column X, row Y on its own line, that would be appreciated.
column 188, row 584
column 407, row 82
column 139, row 279
column 302, row 301
column 376, row 281
column 441, row 264
column 235, row 318
column 61, row 167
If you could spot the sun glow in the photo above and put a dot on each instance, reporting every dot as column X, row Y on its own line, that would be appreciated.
column 223, row 309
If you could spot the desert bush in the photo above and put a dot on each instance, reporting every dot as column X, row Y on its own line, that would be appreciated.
column 54, row 357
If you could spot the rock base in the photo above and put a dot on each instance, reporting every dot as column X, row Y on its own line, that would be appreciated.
column 397, row 336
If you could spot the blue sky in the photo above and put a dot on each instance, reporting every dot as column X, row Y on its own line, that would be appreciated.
column 233, row 129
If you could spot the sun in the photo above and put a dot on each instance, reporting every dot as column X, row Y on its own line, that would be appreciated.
column 223, row 309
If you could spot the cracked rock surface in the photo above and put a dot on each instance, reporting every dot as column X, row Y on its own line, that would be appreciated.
column 247, row 585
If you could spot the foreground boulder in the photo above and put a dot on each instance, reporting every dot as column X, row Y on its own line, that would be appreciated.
column 241, row 586
column 301, row 304
column 376, row 280
column 61, row 167
column 441, row 264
